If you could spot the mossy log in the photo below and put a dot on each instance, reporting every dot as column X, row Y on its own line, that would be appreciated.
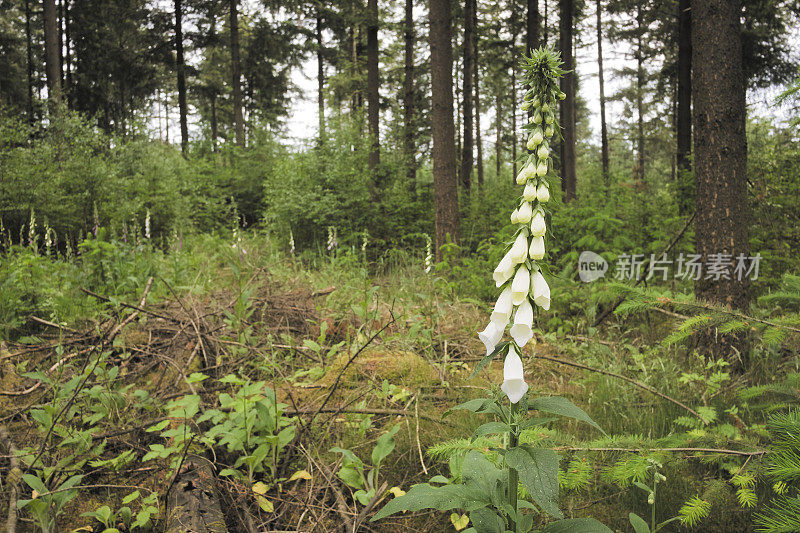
column 193, row 504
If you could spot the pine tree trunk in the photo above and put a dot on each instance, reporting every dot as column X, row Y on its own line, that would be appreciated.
column 639, row 173
column 181, row 70
column 445, row 182
column 720, row 160
column 683, row 115
column 67, row 52
column 52, row 63
column 409, row 144
column 60, row 23
column 320, row 79
column 478, row 139
column 600, row 76
column 236, row 74
column 467, row 91
column 567, row 111
column 532, row 31
column 513, row 108
column 546, row 23
column 29, row 51
column 498, row 145
column 214, row 123
column 373, row 83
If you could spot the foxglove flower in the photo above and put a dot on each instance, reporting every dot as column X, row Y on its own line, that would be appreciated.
column 502, row 309
column 524, row 213
column 543, row 151
column 543, row 193
column 515, row 216
column 491, row 336
column 529, row 194
column 541, row 168
column 538, row 225
column 513, row 377
column 519, row 250
column 536, row 250
column 540, row 290
column 522, row 330
column 520, row 285
column 504, row 270
column 527, row 172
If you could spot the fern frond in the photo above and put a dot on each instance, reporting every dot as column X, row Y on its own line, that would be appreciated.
column 693, row 511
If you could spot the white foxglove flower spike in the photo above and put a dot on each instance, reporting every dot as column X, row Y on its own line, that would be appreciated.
column 513, row 377
column 519, row 250
column 543, row 193
column 504, row 270
column 538, row 225
column 491, row 336
column 522, row 330
column 502, row 310
column 520, row 285
column 540, row 290
column 541, row 168
column 536, row 250
column 525, row 213
column 529, row 194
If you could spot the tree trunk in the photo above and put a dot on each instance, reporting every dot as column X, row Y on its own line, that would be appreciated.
column 513, row 108
column 29, row 50
column 478, row 140
column 236, row 74
column 603, row 127
column 214, row 124
column 442, row 128
column 546, row 23
column 409, row 145
column 467, row 92
column 532, row 32
column 373, row 83
column 181, row 70
column 320, row 79
column 60, row 22
column 683, row 118
column 354, row 59
column 498, row 144
column 567, row 111
column 67, row 51
column 53, row 65
column 720, row 148
column 639, row 173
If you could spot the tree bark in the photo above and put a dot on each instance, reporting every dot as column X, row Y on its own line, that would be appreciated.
column 181, row 71
column 67, row 52
column 214, row 123
column 498, row 144
column 409, row 145
column 600, row 76
column 52, row 62
column 639, row 172
column 513, row 108
column 720, row 148
column 442, row 128
column 683, row 115
column 478, row 139
column 320, row 78
column 467, row 92
column 373, row 83
column 532, row 31
column 29, row 51
column 60, row 22
column 236, row 74
column 567, row 111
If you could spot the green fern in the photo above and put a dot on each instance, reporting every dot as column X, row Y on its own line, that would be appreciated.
column 693, row 511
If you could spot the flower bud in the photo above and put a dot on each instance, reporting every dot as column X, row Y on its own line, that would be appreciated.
column 538, row 225
column 541, row 168
column 543, row 152
column 540, row 290
column 515, row 216
column 548, row 118
column 529, row 194
column 542, row 192
column 535, row 102
column 513, row 376
column 519, row 250
column 537, row 137
column 536, row 250
column 651, row 499
column 537, row 118
column 521, row 284
column 522, row 330
column 502, row 309
column 528, row 171
column 525, row 106
column 549, row 131
column 525, row 213
column 561, row 95
column 504, row 270
column 545, row 108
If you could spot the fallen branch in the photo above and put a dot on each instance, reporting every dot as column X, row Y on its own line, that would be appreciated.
column 723, row 451
column 354, row 410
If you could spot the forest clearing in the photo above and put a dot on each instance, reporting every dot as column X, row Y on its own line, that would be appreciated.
column 370, row 266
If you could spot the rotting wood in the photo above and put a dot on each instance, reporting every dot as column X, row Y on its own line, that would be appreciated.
column 193, row 503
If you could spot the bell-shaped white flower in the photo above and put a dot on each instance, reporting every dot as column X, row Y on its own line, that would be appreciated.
column 519, row 250
column 513, row 377
column 522, row 330
column 491, row 336
column 549, row 131
column 515, row 216
column 529, row 194
column 543, row 192
column 538, row 225
column 527, row 172
column 536, row 250
column 535, row 139
column 541, row 168
column 540, row 290
column 502, row 310
column 543, row 151
column 525, row 212
column 520, row 285
column 504, row 270
column 537, row 118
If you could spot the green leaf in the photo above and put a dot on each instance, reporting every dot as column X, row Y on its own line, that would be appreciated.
column 639, row 525
column 130, row 497
column 35, row 483
column 562, row 407
column 642, row 486
column 490, row 428
column 485, row 520
column 488, row 358
column 384, row 446
column 424, row 496
column 538, row 472
column 576, row 525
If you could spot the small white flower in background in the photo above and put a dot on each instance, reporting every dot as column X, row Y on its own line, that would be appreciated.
column 536, row 250
column 540, row 290
column 543, row 193
column 32, row 238
column 365, row 242
column 291, row 242
column 333, row 241
column 520, row 285
column 538, row 225
column 513, row 376
column 522, row 330
column 147, row 225
column 428, row 253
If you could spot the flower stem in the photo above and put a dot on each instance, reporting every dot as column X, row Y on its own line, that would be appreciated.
column 513, row 475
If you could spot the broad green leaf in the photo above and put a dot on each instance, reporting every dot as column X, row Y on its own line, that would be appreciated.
column 639, row 525
column 538, row 472
column 576, row 525
column 488, row 359
column 487, row 521
column 384, row 446
column 424, row 496
column 130, row 497
column 35, row 483
column 491, row 428
column 562, row 407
